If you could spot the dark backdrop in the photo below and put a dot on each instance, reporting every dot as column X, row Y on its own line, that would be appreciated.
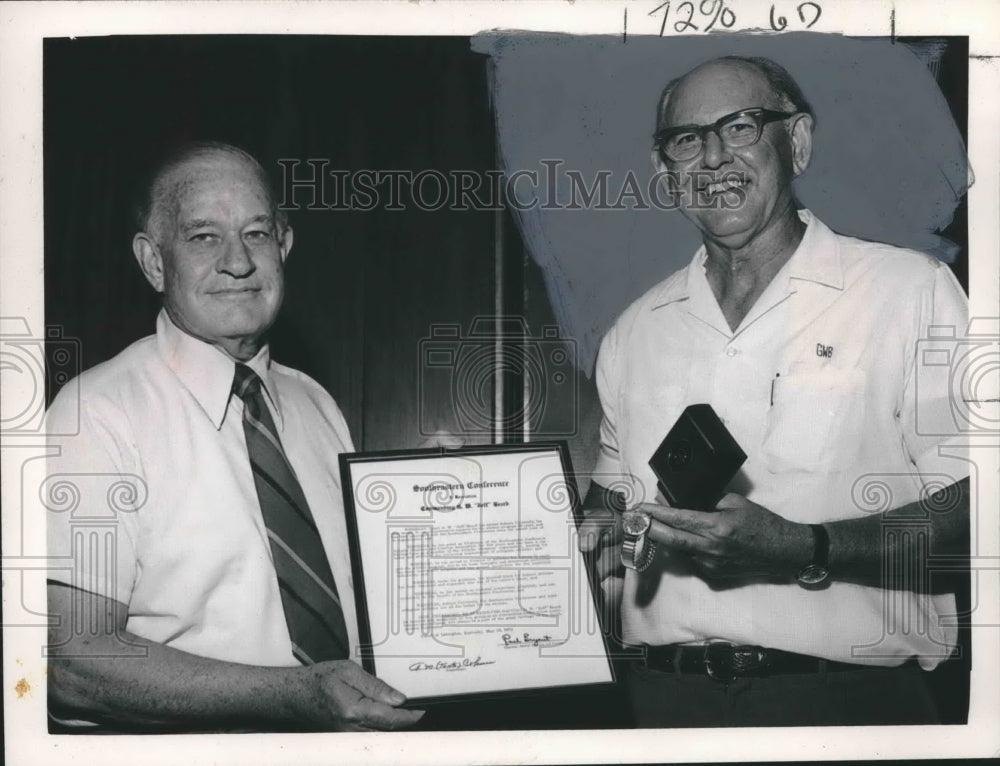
column 362, row 287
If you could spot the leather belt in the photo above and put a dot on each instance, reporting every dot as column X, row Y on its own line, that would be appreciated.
column 726, row 662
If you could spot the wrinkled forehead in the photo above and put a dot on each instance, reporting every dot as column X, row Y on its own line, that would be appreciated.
column 213, row 179
column 716, row 89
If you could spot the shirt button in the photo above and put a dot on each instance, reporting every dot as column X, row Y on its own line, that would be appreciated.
column 732, row 351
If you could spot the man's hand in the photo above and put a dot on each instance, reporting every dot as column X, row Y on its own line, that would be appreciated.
column 172, row 689
column 740, row 540
column 340, row 696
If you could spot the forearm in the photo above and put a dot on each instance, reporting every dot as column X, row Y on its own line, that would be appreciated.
column 166, row 687
column 99, row 671
column 742, row 541
column 872, row 550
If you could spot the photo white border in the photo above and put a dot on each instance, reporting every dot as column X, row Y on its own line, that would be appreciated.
column 22, row 29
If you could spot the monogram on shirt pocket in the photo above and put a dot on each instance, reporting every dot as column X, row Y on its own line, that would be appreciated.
column 814, row 418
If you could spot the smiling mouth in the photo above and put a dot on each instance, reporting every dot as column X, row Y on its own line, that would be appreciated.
column 236, row 291
column 723, row 186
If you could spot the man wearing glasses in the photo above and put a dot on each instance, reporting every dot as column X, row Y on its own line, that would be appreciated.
column 788, row 604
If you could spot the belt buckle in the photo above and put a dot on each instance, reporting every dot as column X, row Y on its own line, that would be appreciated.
column 726, row 662
column 718, row 659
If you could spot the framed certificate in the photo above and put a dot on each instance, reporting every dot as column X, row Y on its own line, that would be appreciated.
column 467, row 575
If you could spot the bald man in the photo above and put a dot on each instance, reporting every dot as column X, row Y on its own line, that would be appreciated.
column 784, row 605
column 224, row 598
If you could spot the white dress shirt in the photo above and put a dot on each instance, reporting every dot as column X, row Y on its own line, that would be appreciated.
column 189, row 554
column 822, row 385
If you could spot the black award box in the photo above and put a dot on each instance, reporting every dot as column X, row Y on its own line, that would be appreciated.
column 696, row 460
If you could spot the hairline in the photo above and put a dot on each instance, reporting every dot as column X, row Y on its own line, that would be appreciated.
column 758, row 64
column 162, row 183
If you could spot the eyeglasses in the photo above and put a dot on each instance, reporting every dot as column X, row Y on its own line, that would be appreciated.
column 735, row 130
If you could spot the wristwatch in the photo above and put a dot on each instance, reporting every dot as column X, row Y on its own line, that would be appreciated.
column 637, row 550
column 816, row 573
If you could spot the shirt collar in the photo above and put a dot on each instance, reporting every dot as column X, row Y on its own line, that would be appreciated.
column 679, row 288
column 816, row 259
column 207, row 372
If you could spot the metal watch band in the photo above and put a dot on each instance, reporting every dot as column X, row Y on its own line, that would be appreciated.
column 646, row 556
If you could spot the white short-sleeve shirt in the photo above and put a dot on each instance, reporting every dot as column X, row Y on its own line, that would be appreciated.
column 188, row 552
column 822, row 386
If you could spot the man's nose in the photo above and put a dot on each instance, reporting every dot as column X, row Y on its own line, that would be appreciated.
column 715, row 152
column 236, row 260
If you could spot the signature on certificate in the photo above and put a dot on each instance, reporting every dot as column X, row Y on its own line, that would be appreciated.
column 526, row 639
column 451, row 665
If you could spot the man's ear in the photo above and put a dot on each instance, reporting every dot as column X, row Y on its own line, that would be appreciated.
column 147, row 253
column 802, row 132
column 285, row 246
column 666, row 179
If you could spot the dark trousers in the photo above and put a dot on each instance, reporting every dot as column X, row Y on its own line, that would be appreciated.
column 882, row 696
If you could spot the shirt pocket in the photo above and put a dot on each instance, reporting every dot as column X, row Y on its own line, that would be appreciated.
column 815, row 420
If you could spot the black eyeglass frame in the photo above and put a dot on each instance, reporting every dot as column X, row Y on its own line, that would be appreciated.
column 761, row 118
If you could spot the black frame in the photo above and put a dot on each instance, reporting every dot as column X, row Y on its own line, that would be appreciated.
column 357, row 569
column 761, row 117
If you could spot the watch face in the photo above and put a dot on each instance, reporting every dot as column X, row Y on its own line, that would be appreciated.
column 813, row 574
column 635, row 523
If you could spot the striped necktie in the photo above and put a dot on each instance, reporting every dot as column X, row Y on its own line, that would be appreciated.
column 308, row 593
